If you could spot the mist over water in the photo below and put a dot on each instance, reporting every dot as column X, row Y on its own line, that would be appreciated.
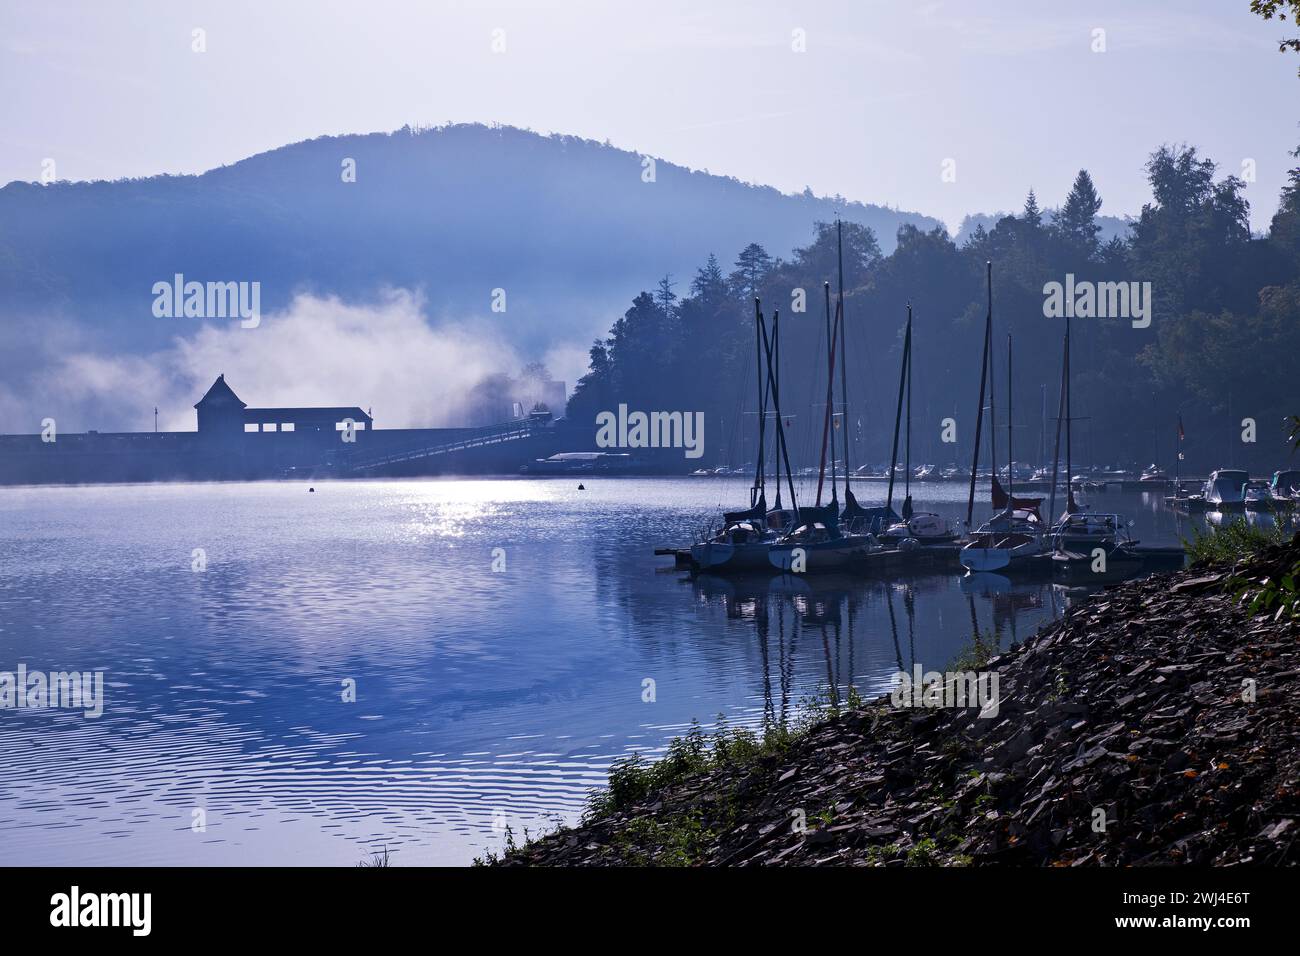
column 482, row 695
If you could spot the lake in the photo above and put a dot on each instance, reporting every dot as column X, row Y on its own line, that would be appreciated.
column 500, row 637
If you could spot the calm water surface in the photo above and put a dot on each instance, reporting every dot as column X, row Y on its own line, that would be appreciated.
column 483, row 697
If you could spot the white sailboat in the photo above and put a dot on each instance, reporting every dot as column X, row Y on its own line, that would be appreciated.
column 1015, row 536
column 1004, row 542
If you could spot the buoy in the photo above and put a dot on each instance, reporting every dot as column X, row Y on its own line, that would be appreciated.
column 581, row 486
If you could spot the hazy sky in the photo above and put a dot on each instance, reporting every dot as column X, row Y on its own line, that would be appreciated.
column 1011, row 90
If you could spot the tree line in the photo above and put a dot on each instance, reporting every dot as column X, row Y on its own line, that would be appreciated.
column 1221, row 347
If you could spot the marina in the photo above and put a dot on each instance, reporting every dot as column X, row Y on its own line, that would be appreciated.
column 1083, row 544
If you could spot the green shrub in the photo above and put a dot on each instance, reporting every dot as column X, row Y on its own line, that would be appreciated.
column 1232, row 542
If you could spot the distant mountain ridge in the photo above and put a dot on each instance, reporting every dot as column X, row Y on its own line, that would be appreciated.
column 566, row 227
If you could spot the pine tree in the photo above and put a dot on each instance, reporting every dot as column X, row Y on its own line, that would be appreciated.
column 1077, row 219
column 709, row 284
column 1032, row 214
column 666, row 297
column 752, row 267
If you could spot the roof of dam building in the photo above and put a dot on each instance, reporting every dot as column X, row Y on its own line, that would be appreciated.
column 221, row 395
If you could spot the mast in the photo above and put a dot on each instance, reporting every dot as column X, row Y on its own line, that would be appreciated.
column 830, row 384
column 993, row 418
column 1069, row 465
column 842, row 320
column 1042, row 428
column 756, row 493
column 1011, row 478
column 898, row 409
column 979, row 411
column 830, row 394
column 1060, row 420
column 773, row 378
column 907, row 459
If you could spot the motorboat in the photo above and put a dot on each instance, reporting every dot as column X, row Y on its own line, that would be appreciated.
column 1225, row 489
column 1152, row 473
column 1258, row 496
column 1115, row 475
column 1286, row 485
column 1005, row 542
column 581, row 463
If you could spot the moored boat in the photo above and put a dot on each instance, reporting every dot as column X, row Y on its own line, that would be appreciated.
column 1086, row 542
column 1014, row 537
column 1153, row 474
column 1225, row 489
column 1006, row 542
column 745, row 537
column 1258, row 496
column 925, row 527
column 818, row 546
column 1286, row 485
column 743, row 542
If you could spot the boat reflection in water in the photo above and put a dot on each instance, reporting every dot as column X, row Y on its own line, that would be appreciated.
column 1260, row 520
column 827, row 635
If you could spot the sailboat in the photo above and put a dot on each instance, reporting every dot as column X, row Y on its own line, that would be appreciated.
column 855, row 519
column 1085, row 542
column 1014, row 535
column 1082, row 539
column 914, row 527
column 818, row 543
column 746, row 536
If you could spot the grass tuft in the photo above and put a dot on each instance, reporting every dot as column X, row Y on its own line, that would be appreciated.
column 377, row 859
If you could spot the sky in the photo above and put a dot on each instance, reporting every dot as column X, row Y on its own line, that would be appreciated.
column 874, row 101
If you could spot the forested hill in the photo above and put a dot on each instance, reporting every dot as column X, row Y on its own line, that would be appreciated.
column 1218, row 345
column 565, row 226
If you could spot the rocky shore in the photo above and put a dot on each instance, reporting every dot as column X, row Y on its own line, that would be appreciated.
column 1157, row 723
